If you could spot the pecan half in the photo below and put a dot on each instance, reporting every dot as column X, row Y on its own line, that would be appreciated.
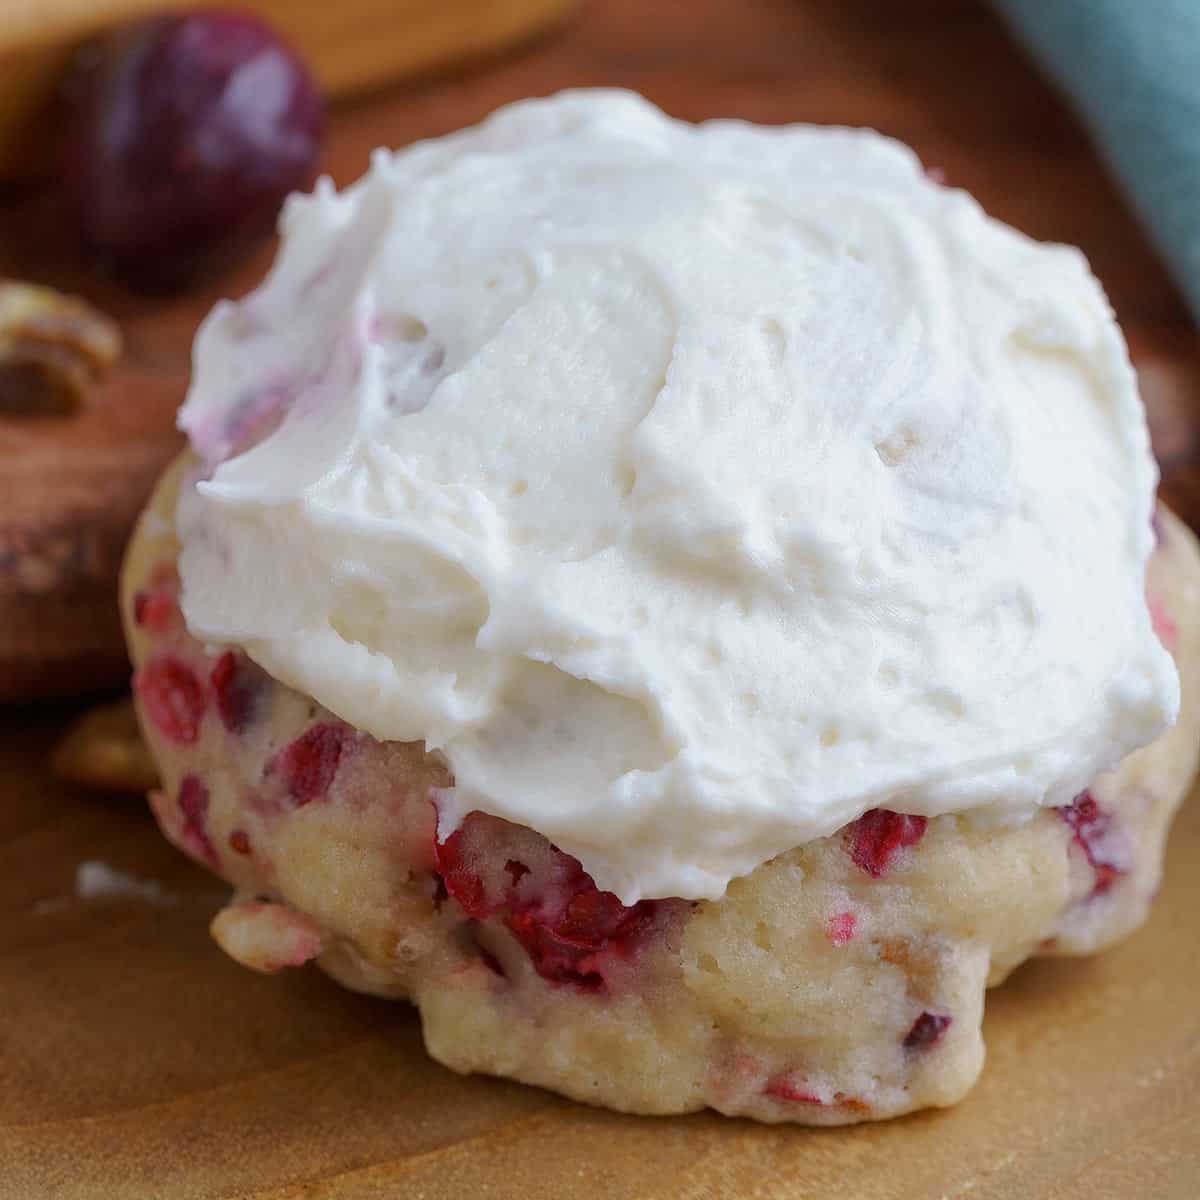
column 104, row 751
column 54, row 348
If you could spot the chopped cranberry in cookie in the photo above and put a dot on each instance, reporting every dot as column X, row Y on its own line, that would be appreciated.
column 1097, row 834
column 877, row 838
column 841, row 928
column 570, row 929
column 308, row 765
column 193, row 804
column 173, row 697
column 927, row 1030
column 156, row 606
column 238, row 685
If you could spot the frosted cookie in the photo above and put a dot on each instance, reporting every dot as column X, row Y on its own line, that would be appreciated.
column 678, row 603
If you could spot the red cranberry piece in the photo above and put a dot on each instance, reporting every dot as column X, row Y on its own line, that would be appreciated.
column 568, row 927
column 841, row 928
column 878, row 836
column 1095, row 832
column 238, row 685
column 309, row 764
column 193, row 803
column 570, row 951
column 186, row 133
column 173, row 698
column 568, row 942
column 782, row 1088
column 458, row 879
column 927, row 1031
column 239, row 841
column 1165, row 628
column 155, row 610
column 570, row 946
column 786, row 1087
column 156, row 605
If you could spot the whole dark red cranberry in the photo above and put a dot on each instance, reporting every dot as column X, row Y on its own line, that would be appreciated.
column 186, row 133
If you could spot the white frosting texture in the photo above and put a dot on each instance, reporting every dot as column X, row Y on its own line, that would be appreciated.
column 693, row 489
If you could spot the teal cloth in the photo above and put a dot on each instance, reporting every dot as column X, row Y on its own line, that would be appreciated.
column 1132, row 69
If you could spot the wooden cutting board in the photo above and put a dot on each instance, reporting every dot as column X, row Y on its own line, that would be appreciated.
column 138, row 1063
column 135, row 1061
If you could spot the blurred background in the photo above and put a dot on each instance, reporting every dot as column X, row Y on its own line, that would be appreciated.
column 143, row 158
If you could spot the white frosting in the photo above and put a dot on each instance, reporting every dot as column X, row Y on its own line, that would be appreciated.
column 692, row 488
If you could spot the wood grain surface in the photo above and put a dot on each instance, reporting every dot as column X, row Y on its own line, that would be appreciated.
column 135, row 1061
column 138, row 1063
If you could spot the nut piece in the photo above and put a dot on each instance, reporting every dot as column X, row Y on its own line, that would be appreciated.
column 104, row 751
column 53, row 349
column 265, row 936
